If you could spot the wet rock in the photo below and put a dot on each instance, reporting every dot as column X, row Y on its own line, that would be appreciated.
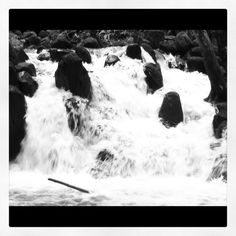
column 17, row 111
column 28, row 34
column 45, row 42
column 105, row 155
column 15, row 40
column 111, row 60
column 178, row 63
column 149, row 49
column 134, row 51
column 27, row 84
column 183, row 43
column 61, row 42
column 154, row 78
column 29, row 67
column 90, row 42
column 171, row 112
column 17, row 54
column 43, row 33
column 195, row 52
column 43, row 57
column 13, row 76
column 168, row 46
column 220, row 120
column 56, row 54
column 71, row 75
column 84, row 54
column 196, row 64
column 154, row 36
column 40, row 49
column 219, row 169
column 32, row 40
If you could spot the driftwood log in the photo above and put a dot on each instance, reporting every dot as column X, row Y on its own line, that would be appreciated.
column 68, row 185
column 216, row 75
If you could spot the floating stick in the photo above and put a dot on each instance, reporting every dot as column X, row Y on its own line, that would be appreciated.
column 68, row 185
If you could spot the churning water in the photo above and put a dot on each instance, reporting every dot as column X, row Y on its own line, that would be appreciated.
column 152, row 165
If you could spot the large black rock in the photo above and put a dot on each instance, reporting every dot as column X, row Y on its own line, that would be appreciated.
column 171, row 112
column 13, row 75
column 84, row 54
column 111, row 60
column 134, row 51
column 196, row 64
column 32, row 40
column 17, row 111
column 149, row 49
column 29, row 67
column 61, row 42
column 56, row 54
column 90, row 42
column 183, row 43
column 71, row 75
column 27, row 84
column 155, row 37
column 154, row 78
column 17, row 55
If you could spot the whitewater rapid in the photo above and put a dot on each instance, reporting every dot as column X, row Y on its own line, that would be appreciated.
column 153, row 165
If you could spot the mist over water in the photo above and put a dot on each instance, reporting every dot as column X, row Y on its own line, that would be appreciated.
column 152, row 165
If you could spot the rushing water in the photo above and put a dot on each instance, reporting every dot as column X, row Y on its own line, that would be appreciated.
column 153, row 165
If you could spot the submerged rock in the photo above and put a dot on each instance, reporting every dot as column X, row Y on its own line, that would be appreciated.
column 71, row 75
column 219, row 169
column 105, row 155
column 17, row 111
column 44, row 57
column 134, row 51
column 111, row 60
column 220, row 120
column 27, row 84
column 154, row 78
column 171, row 112
column 29, row 67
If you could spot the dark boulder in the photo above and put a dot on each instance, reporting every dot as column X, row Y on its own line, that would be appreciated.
column 134, row 51
column 28, row 34
column 32, row 40
column 13, row 76
column 196, row 64
column 15, row 40
column 105, row 155
column 29, row 67
column 183, row 43
column 155, row 37
column 195, row 52
column 149, row 49
column 18, row 32
column 71, row 75
column 40, row 49
column 83, row 53
column 111, row 60
column 17, row 111
column 56, row 54
column 168, row 46
column 171, row 112
column 43, row 33
column 154, row 78
column 90, row 42
column 43, row 57
column 45, row 42
column 27, row 84
column 61, row 42
column 220, row 120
